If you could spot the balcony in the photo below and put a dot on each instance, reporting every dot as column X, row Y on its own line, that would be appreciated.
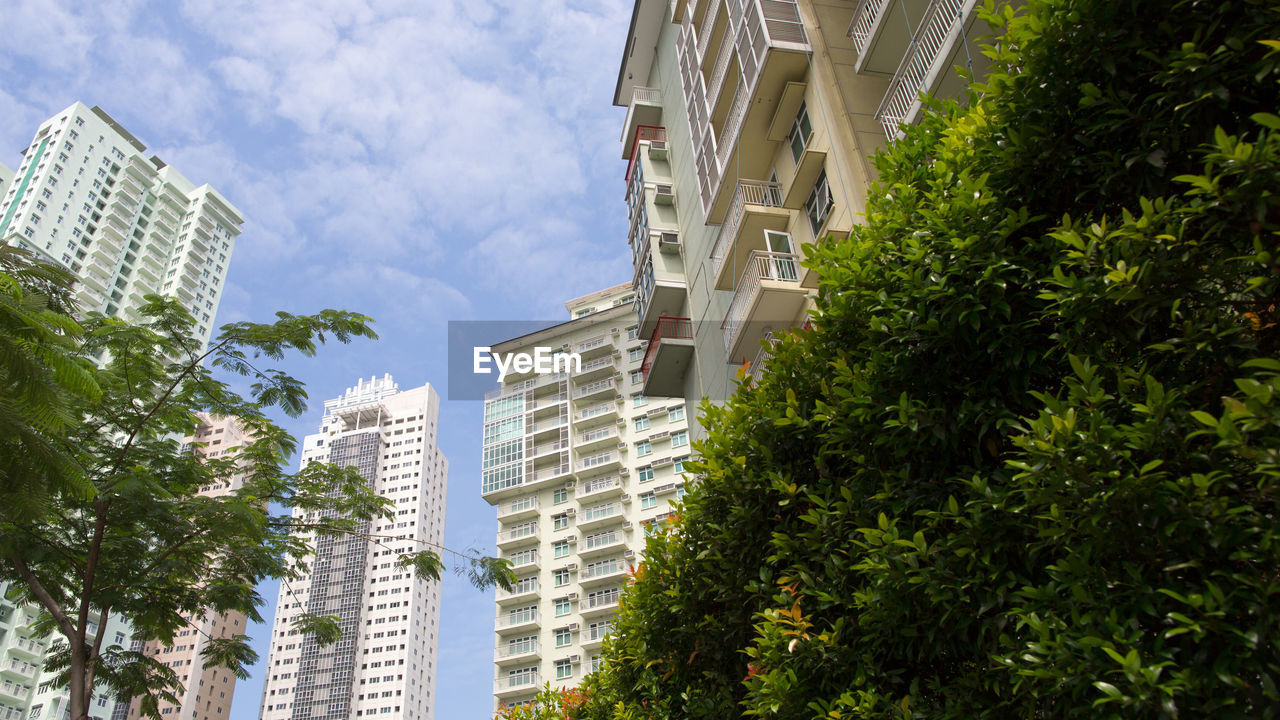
column 597, row 438
column 520, row 507
column 512, row 652
column 518, row 620
column 539, row 451
column 594, row 347
column 516, row 684
column 603, row 412
column 525, row 534
column 604, row 570
column 600, row 543
column 756, row 207
column 18, row 668
column 597, row 368
column 594, row 390
column 14, row 691
column 768, row 297
column 600, row 462
column 600, row 487
column 772, row 49
column 881, row 31
column 600, row 515
column 662, row 294
column 927, row 66
column 762, row 357
column 27, row 647
column 667, row 357
column 643, row 134
column 518, row 596
column 599, row 603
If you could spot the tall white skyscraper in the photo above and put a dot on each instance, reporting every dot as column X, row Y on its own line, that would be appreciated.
column 384, row 665
column 86, row 197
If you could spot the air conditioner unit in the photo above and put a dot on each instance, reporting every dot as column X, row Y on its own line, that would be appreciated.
column 624, row 472
column 570, row 511
column 617, row 397
column 669, row 242
column 573, row 626
column 622, row 446
column 629, row 554
column 572, row 596
column 658, row 149
column 575, row 659
column 569, row 484
column 572, row 539
column 626, row 525
column 572, row 567
column 626, row 497
column 660, row 436
column 613, row 330
column 663, row 194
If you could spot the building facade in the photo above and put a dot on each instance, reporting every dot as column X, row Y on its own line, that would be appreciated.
column 384, row 664
column 578, row 464
column 748, row 133
column 88, row 198
column 208, row 691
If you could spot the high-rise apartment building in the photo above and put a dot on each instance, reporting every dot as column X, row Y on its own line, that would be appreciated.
column 208, row 691
column 384, row 665
column 6, row 177
column 87, row 197
column 578, row 464
column 748, row 132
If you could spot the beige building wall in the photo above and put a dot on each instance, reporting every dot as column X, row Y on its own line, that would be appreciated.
column 579, row 465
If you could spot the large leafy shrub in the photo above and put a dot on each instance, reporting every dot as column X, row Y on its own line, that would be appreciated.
column 1024, row 463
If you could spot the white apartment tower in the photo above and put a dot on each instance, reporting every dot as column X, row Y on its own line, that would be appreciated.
column 384, row 665
column 579, row 465
column 86, row 197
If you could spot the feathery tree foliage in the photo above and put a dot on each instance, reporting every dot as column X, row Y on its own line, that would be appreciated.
column 1026, row 462
column 119, row 529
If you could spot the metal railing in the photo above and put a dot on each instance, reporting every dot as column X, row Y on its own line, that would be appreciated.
column 595, row 410
column 709, row 25
column 722, row 64
column 600, row 512
column 762, row 357
column 601, row 433
column 594, row 387
column 511, row 619
column 599, row 540
column 551, row 472
column 600, row 569
column 728, row 136
column 515, row 649
column 597, row 485
column 779, row 267
column 666, row 327
column 864, row 20
column 909, row 81
column 588, row 366
column 597, row 460
column 603, row 599
column 748, row 192
column 517, row 506
column 593, row 342
column 518, row 532
column 516, row 682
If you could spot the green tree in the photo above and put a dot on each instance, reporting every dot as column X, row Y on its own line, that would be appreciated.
column 549, row 704
column 133, row 537
column 1025, row 462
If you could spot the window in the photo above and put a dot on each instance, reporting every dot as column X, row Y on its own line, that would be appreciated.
column 560, row 548
column 818, row 206
column 563, row 637
column 635, row 354
column 564, row 669
column 678, row 464
column 801, row 130
column 675, row 413
column 680, row 439
column 562, row 606
column 597, row 662
column 561, row 577
column 559, row 522
column 639, row 400
column 642, row 423
column 681, row 492
column 632, row 332
column 648, row 500
column 560, row 495
column 637, row 377
column 643, row 448
column 645, row 474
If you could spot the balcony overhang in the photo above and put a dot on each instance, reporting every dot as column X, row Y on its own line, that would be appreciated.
column 784, row 114
column 881, row 32
column 671, row 360
column 756, row 219
column 645, row 109
column 807, row 171
column 668, row 298
column 774, row 305
column 642, row 41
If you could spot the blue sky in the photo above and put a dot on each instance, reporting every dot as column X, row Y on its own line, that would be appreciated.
column 418, row 161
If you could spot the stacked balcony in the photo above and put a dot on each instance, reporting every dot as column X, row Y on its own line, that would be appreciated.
column 768, row 296
column 667, row 357
column 516, row 651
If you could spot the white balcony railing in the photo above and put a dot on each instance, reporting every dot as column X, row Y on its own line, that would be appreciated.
column 518, row 532
column 596, row 410
column 599, row 540
column 511, row 619
column 939, row 21
column 761, row 266
column 518, row 505
column 597, row 460
column 551, row 472
column 601, row 569
column 601, row 433
column 718, row 72
column 728, row 137
column 603, row 599
column 591, row 487
column 594, row 342
column 864, row 20
column 600, row 512
column 588, row 366
column 516, row 681
column 748, row 192
column 516, row 649
column 595, row 387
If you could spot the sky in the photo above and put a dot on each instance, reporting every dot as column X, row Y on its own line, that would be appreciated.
column 418, row 161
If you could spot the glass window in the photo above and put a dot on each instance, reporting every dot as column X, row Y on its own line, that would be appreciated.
column 563, row 637
column 639, row 400
column 818, row 206
column 560, row 495
column 648, row 500
column 643, row 448
column 564, row 669
column 642, row 423
column 561, row 577
column 680, row 439
column 678, row 464
column 675, row 413
column 635, row 354
column 560, row 548
column 801, row 130
column 562, row 606
column 632, row 332
column 637, row 377
column 559, row 522
column 645, row 474
column 681, row 492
